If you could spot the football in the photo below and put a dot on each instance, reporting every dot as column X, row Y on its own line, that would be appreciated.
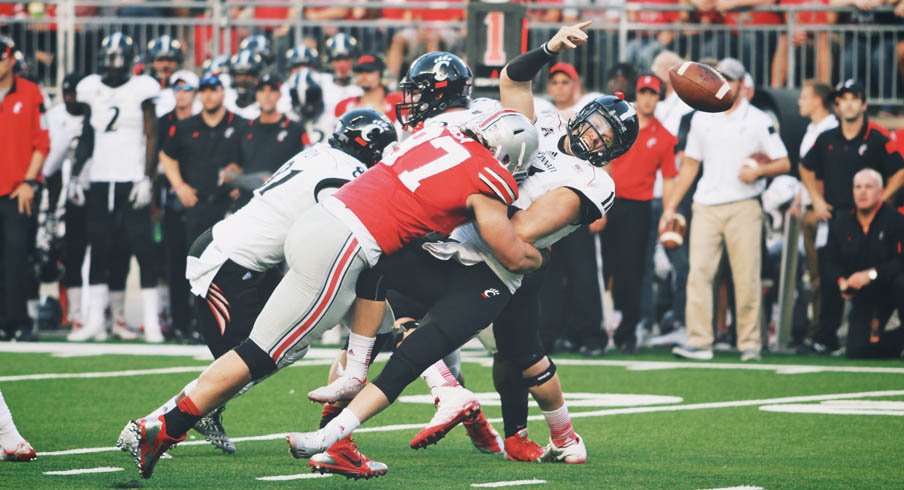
column 755, row 160
column 672, row 235
column 701, row 87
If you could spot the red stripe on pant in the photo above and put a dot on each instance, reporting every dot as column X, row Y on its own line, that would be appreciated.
column 330, row 294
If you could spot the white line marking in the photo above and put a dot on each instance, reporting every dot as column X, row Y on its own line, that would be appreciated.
column 777, row 368
column 595, row 413
column 102, row 469
column 513, row 483
column 300, row 476
column 827, row 410
column 742, row 487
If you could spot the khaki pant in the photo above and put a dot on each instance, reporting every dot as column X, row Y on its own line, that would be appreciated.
column 809, row 225
column 738, row 229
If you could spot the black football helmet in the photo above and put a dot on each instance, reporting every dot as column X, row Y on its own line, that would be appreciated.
column 246, row 62
column 165, row 48
column 216, row 66
column 117, row 53
column 434, row 83
column 603, row 130
column 363, row 134
column 341, row 46
column 259, row 44
column 302, row 55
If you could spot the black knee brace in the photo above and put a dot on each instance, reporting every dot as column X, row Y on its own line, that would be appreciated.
column 259, row 362
column 542, row 377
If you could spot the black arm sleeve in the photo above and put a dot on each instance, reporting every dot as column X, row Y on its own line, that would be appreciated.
column 526, row 65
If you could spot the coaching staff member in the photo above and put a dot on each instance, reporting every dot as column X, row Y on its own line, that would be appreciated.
column 628, row 228
column 195, row 152
column 24, row 144
column 864, row 263
column 828, row 170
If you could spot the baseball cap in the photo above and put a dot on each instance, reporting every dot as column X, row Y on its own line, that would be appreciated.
column 368, row 63
column 849, row 85
column 185, row 76
column 269, row 80
column 7, row 47
column 649, row 82
column 731, row 68
column 563, row 67
column 70, row 82
column 210, row 81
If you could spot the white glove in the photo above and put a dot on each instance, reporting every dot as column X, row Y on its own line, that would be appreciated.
column 141, row 193
column 76, row 191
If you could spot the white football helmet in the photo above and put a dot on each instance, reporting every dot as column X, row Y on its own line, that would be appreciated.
column 510, row 137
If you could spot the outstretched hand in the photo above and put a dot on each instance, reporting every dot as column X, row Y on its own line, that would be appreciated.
column 569, row 37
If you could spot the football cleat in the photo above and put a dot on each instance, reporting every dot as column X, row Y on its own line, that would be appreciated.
column 483, row 435
column 454, row 405
column 211, row 427
column 304, row 445
column 23, row 452
column 147, row 443
column 520, row 448
column 344, row 458
column 341, row 389
column 122, row 331
column 574, row 453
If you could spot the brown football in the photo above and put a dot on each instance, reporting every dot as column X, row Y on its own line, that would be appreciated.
column 672, row 235
column 701, row 87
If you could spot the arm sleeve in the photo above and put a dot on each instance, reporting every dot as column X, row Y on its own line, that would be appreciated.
column 59, row 142
column 41, row 142
column 892, row 160
column 171, row 142
column 772, row 143
column 494, row 181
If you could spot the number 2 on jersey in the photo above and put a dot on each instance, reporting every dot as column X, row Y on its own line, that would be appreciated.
column 111, row 126
column 455, row 154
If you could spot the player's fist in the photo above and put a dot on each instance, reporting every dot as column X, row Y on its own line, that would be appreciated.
column 568, row 37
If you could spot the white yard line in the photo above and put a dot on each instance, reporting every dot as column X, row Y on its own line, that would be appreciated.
column 102, row 469
column 513, row 483
column 742, row 487
column 300, row 476
column 595, row 413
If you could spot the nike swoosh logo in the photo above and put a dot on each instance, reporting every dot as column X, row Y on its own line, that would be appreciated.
column 355, row 462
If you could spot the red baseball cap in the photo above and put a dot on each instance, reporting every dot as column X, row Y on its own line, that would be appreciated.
column 649, row 82
column 566, row 68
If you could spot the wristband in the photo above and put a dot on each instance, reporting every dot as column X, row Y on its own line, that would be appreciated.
column 31, row 182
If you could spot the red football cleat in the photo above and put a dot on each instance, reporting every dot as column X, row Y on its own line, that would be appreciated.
column 147, row 440
column 23, row 452
column 344, row 458
column 483, row 435
column 520, row 448
column 454, row 405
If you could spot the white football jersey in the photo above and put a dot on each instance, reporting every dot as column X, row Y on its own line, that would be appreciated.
column 118, row 122
column 478, row 107
column 333, row 94
column 550, row 169
column 254, row 236
column 65, row 130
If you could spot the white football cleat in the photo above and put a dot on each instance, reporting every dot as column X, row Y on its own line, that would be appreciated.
column 575, row 453
column 122, row 331
column 303, row 445
column 454, row 405
column 83, row 333
column 23, row 452
column 341, row 389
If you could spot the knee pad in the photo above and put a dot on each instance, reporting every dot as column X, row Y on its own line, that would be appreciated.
column 259, row 362
column 542, row 377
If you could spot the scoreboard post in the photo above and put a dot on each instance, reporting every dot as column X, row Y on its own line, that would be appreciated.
column 497, row 32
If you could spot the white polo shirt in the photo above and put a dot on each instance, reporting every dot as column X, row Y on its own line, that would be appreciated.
column 722, row 142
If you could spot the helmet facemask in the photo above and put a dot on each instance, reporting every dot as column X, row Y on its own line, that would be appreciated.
column 595, row 135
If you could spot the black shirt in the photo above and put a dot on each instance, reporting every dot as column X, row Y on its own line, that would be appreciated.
column 165, row 124
column 268, row 146
column 835, row 160
column 850, row 250
column 202, row 150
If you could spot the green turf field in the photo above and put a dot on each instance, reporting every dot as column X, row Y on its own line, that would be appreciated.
column 694, row 441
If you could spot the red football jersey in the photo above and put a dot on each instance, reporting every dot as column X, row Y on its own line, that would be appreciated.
column 424, row 185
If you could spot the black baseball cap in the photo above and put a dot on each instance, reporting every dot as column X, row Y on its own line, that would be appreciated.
column 849, row 86
column 70, row 82
column 368, row 63
column 209, row 81
column 269, row 80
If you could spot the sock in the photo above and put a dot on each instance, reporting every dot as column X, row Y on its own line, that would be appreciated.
column 358, row 355
column 150, row 301
column 560, row 430
column 32, row 306
column 97, row 303
column 181, row 418
column 329, row 413
column 512, row 393
column 438, row 375
column 118, row 306
column 74, row 299
column 171, row 403
column 9, row 435
column 340, row 427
